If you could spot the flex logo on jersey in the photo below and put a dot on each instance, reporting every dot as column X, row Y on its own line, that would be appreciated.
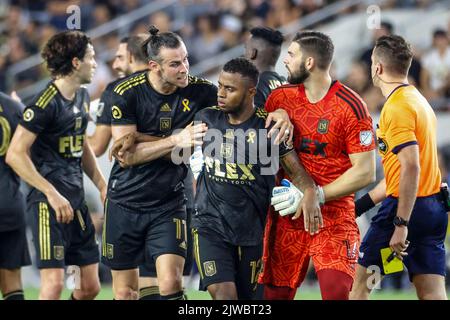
column 116, row 112
column 71, row 146
column 313, row 147
column 186, row 107
column 322, row 126
column 229, row 172
column 28, row 115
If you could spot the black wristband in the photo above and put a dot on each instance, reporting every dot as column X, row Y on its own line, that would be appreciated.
column 363, row 204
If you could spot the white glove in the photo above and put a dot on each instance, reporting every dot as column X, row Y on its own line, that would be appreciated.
column 196, row 161
column 286, row 198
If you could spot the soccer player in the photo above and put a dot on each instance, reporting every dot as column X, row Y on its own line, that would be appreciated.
column 148, row 107
column 129, row 59
column 233, row 191
column 13, row 249
column 49, row 151
column 333, row 137
column 412, row 210
column 263, row 48
column 145, row 215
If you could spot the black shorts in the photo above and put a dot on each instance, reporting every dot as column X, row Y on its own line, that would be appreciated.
column 131, row 239
column 148, row 269
column 63, row 244
column 14, row 249
column 219, row 261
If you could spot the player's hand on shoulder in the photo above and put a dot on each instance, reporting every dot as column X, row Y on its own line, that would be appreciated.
column 283, row 124
column 310, row 208
column 61, row 206
column 190, row 136
column 286, row 198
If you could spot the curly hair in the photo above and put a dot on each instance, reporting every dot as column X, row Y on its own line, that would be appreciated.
column 243, row 67
column 62, row 48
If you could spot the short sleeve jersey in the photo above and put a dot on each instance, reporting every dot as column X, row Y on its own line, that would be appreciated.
column 234, row 188
column 326, row 132
column 268, row 81
column 158, row 183
column 406, row 119
column 11, row 199
column 60, row 126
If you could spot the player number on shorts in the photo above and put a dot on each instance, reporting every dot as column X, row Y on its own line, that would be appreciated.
column 6, row 135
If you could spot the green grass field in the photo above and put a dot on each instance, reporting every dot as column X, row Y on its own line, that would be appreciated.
column 302, row 294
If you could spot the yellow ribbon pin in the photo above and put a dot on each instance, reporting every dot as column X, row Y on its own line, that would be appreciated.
column 251, row 137
column 185, row 104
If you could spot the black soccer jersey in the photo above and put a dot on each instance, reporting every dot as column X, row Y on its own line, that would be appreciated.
column 61, row 126
column 11, row 200
column 268, row 80
column 105, row 103
column 234, row 187
column 157, row 183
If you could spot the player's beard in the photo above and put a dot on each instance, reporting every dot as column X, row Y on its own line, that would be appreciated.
column 300, row 76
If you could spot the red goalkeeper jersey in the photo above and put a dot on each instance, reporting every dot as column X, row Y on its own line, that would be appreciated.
column 326, row 132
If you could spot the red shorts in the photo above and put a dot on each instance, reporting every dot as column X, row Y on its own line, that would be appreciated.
column 288, row 247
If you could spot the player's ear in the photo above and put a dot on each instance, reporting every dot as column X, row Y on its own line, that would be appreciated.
column 252, row 91
column 310, row 63
column 254, row 54
column 76, row 63
column 153, row 65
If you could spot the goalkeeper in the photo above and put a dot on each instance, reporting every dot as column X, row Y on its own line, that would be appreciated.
column 333, row 137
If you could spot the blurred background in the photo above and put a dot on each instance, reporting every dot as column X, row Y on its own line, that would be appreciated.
column 214, row 32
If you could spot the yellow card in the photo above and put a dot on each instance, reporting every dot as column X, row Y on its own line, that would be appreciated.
column 395, row 265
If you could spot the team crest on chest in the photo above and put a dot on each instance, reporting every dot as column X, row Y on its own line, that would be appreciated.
column 165, row 124
column 226, row 150
column 322, row 126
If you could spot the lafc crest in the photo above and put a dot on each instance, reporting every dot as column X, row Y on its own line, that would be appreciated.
column 58, row 252
column 210, row 268
column 165, row 124
column 226, row 150
column 322, row 126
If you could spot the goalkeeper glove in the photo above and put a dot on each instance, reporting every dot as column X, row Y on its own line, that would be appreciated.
column 286, row 198
column 196, row 161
